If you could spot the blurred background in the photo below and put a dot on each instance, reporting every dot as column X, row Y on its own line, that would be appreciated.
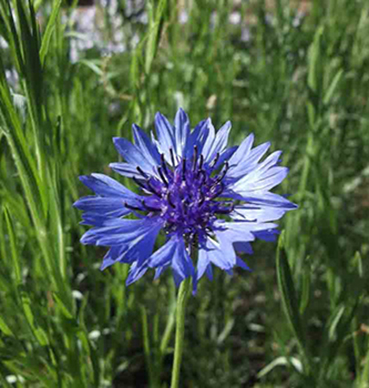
column 73, row 74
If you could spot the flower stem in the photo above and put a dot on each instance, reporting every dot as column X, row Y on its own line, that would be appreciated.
column 183, row 293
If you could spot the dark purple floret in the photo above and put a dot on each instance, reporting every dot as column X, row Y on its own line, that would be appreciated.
column 187, row 196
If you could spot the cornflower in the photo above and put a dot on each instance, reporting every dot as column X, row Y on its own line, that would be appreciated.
column 211, row 201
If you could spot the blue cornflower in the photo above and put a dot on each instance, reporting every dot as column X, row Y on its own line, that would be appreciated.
column 210, row 201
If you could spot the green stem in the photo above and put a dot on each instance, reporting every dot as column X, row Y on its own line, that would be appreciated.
column 183, row 293
column 147, row 350
column 364, row 382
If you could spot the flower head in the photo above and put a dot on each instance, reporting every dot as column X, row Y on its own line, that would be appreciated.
column 210, row 201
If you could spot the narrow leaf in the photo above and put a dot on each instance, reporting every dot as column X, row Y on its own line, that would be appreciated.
column 5, row 328
column 333, row 87
column 63, row 308
column 49, row 30
column 288, row 294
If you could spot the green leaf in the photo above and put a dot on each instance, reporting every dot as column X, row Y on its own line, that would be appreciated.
column 37, row 331
column 311, row 114
column 288, row 295
column 305, row 287
column 63, row 308
column 332, row 87
column 5, row 328
column 155, row 23
column 337, row 329
column 93, row 65
column 281, row 361
column 364, row 378
column 49, row 30
column 332, row 327
column 314, row 69
column 13, row 247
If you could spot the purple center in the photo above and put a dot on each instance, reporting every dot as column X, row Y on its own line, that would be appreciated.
column 186, row 195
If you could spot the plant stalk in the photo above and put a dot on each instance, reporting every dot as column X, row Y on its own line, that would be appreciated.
column 183, row 293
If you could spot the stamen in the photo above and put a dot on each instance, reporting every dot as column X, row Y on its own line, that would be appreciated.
column 184, row 169
column 215, row 161
column 190, row 208
column 141, row 184
column 202, row 174
column 225, row 210
column 164, row 165
column 131, row 206
column 209, row 233
column 202, row 200
column 201, row 161
column 160, row 171
column 142, row 172
column 170, row 201
column 184, row 206
column 217, row 192
column 195, row 151
column 172, row 157
column 153, row 189
column 162, row 158
column 153, row 209
column 147, row 186
column 191, row 237
column 222, row 174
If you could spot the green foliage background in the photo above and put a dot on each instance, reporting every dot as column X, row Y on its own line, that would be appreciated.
column 301, row 318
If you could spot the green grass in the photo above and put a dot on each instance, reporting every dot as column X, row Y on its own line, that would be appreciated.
column 301, row 318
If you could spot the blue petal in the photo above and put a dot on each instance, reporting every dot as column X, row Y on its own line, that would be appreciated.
column 242, row 264
column 126, row 169
column 142, row 248
column 209, row 272
column 269, row 235
column 204, row 265
column 136, row 250
column 259, row 180
column 98, row 219
column 136, row 273
column 243, row 246
column 173, row 253
column 225, row 156
column 226, row 246
column 257, row 213
column 242, row 151
column 104, row 185
column 133, row 155
column 182, row 130
column 216, row 144
column 113, row 255
column 163, row 255
column 182, row 265
column 145, row 145
column 254, row 168
column 223, row 256
column 242, row 165
column 159, row 271
column 166, row 138
column 197, row 138
column 139, row 254
column 268, row 199
column 241, row 231
column 104, row 205
column 206, row 150
column 122, row 232
column 272, row 160
column 220, row 141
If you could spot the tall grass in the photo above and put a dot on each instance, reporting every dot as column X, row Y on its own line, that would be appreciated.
column 298, row 80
